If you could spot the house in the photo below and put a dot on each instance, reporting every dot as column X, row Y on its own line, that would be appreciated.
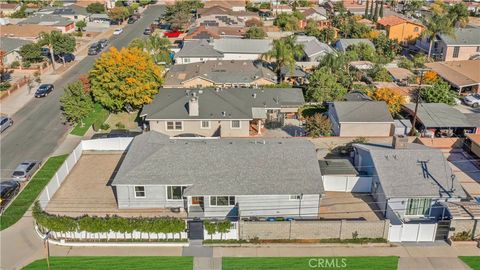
column 281, row 8
column 360, row 118
column 224, row 178
column 474, row 119
column 318, row 15
column 463, row 75
column 224, row 17
column 233, row 112
column 355, row 95
column 29, row 32
column 409, row 184
column 313, row 49
column 404, row 91
column 213, row 32
column 11, row 46
column 463, row 44
column 400, row 74
column 438, row 120
column 473, row 143
column 361, row 65
column 73, row 12
column 222, row 49
column 400, row 28
column 6, row 9
column 230, row 4
column 220, row 73
column 60, row 23
column 343, row 43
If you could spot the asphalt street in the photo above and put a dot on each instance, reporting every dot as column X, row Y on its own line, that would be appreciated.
column 39, row 127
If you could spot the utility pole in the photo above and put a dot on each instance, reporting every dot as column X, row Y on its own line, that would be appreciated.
column 417, row 100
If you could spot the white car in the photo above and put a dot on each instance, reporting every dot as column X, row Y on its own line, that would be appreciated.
column 118, row 31
column 472, row 100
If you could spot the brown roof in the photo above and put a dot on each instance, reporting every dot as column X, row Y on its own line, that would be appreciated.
column 459, row 73
column 475, row 138
column 205, row 32
column 28, row 31
column 4, row 6
column 401, row 90
column 399, row 73
column 226, row 4
column 395, row 20
column 218, row 10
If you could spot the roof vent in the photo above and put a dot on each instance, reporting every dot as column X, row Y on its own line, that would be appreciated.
column 254, row 95
column 224, row 113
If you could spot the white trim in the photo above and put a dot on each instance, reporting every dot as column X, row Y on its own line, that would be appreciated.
column 239, row 124
column 173, row 200
column 228, row 196
column 296, row 199
column 209, row 124
column 174, row 125
column 144, row 192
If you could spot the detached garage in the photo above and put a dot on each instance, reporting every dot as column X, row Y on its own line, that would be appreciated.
column 339, row 175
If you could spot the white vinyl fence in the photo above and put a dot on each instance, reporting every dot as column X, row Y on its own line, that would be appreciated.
column 232, row 234
column 347, row 183
column 421, row 232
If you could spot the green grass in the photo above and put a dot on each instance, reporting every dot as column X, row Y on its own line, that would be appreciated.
column 98, row 114
column 113, row 262
column 472, row 261
column 299, row 263
column 28, row 195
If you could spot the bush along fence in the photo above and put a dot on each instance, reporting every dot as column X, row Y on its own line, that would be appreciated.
column 220, row 230
column 110, row 228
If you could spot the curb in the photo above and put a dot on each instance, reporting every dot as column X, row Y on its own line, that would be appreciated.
column 301, row 245
column 117, row 244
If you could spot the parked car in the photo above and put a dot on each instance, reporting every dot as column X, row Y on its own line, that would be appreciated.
column 118, row 31
column 115, row 22
column 68, row 57
column 165, row 26
column 147, row 31
column 103, row 43
column 132, row 20
column 472, row 100
column 172, row 34
column 95, row 49
column 8, row 190
column 43, row 90
column 5, row 76
column 5, row 122
column 25, row 170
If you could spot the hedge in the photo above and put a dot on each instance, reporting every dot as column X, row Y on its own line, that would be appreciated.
column 94, row 224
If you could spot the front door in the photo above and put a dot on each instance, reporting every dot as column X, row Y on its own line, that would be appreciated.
column 197, row 201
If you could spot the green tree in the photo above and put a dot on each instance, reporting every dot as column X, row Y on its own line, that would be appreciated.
column 81, row 25
column 159, row 49
column 146, row 2
column 458, row 14
column 381, row 9
column 180, row 14
column 380, row 74
column 284, row 52
column 118, row 13
column 386, row 48
column 323, row 86
column 210, row 227
column 134, row 6
column 361, row 51
column 223, row 227
column 436, row 25
column 19, row 14
column 410, row 7
column 31, row 52
column 318, row 125
column 289, row 22
column 375, row 14
column 96, row 8
column 138, row 43
column 439, row 92
column 124, row 78
column 255, row 33
column 76, row 104
column 58, row 43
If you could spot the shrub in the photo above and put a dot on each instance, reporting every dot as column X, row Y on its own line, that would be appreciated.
column 4, row 86
column 26, row 64
column 104, row 126
column 120, row 125
column 15, row 64
column 462, row 236
column 318, row 125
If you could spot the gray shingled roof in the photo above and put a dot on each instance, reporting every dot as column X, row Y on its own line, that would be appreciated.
column 232, row 45
column 337, row 167
column 473, row 118
column 47, row 19
column 237, row 103
column 10, row 44
column 312, row 47
column 198, row 48
column 362, row 112
column 401, row 174
column 346, row 42
column 222, row 166
column 220, row 72
column 463, row 36
column 439, row 115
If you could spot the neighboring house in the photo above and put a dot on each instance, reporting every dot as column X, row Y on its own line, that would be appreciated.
column 463, row 75
column 220, row 73
column 11, row 46
column 401, row 29
column 213, row 32
column 6, row 9
column 313, row 49
column 318, row 15
column 410, row 181
column 361, row 65
column 224, row 17
column 474, row 119
column 281, row 8
column 463, row 44
column 360, row 119
column 343, row 43
column 404, row 91
column 233, row 112
column 29, row 32
column 222, row 49
column 73, row 12
column 400, row 74
column 229, row 4
column 224, row 178
column 439, row 120
column 473, row 143
column 63, row 24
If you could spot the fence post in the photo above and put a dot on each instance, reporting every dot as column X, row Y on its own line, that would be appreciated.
column 341, row 228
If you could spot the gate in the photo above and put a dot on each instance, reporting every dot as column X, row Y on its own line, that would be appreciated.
column 443, row 228
column 195, row 230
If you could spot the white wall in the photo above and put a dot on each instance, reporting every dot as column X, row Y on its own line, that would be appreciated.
column 110, row 144
column 421, row 232
column 342, row 183
column 241, row 56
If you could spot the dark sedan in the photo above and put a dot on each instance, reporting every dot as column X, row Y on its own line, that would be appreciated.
column 43, row 90
column 8, row 190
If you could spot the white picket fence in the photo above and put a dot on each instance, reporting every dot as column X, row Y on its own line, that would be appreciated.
column 232, row 234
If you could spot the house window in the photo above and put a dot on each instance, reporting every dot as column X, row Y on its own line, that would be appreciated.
column 235, row 124
column 205, row 124
column 418, row 207
column 174, row 125
column 186, row 60
column 139, row 192
column 415, row 29
column 175, row 192
column 222, row 200
column 456, row 51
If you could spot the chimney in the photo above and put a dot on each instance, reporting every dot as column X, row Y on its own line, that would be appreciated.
column 400, row 142
column 193, row 105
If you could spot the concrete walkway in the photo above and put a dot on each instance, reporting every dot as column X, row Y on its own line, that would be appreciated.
column 431, row 263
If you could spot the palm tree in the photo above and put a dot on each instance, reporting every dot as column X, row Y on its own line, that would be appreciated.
column 437, row 25
column 158, row 47
column 49, row 39
column 284, row 52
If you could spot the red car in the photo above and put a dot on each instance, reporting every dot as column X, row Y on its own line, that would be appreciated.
column 172, row 34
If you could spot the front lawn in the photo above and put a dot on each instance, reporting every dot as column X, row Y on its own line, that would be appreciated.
column 472, row 261
column 298, row 263
column 114, row 263
column 99, row 114
column 28, row 195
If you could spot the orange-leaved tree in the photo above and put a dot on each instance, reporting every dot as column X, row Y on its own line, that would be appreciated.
column 394, row 100
column 124, row 78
